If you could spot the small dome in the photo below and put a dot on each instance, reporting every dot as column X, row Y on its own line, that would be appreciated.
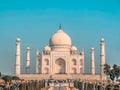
column 28, row 48
column 47, row 48
column 92, row 48
column 60, row 38
column 18, row 40
column 73, row 48
column 102, row 39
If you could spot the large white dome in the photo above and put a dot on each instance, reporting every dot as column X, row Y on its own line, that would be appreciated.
column 60, row 40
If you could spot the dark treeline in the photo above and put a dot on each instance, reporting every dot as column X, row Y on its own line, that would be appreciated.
column 96, row 85
column 23, row 85
column 112, row 72
column 14, row 83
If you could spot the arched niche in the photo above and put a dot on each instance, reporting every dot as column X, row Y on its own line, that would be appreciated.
column 81, row 70
column 46, row 62
column 46, row 70
column 60, row 66
column 81, row 62
column 74, row 62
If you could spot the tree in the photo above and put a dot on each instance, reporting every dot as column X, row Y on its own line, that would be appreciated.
column 107, row 69
column 22, row 87
column 15, row 78
column 116, row 71
column 113, row 73
column 0, row 74
column 7, row 79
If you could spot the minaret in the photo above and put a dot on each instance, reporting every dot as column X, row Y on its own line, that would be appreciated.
column 28, row 60
column 102, row 59
column 92, row 61
column 17, row 65
column 37, row 61
column 82, row 61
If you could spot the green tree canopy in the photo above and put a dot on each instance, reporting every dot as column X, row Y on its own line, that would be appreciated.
column 7, row 78
column 0, row 74
column 112, row 72
column 15, row 78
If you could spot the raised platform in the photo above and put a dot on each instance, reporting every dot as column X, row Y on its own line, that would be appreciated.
column 59, row 76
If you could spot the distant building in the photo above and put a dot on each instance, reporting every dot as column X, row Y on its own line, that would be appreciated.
column 60, row 59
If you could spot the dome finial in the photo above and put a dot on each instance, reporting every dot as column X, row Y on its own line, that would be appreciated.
column 60, row 27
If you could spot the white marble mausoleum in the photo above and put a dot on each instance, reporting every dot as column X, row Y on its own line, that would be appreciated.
column 60, row 59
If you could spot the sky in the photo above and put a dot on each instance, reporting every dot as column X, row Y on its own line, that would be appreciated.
column 35, row 21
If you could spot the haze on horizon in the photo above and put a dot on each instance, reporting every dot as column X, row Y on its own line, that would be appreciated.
column 34, row 22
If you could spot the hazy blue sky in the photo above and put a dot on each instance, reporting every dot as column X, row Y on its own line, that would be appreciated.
column 85, row 21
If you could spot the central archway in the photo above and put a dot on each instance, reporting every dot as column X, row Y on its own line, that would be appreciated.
column 60, row 66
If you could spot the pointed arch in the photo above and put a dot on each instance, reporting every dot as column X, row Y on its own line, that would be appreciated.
column 74, row 62
column 46, row 61
column 81, row 62
column 81, row 70
column 60, row 66
column 46, row 70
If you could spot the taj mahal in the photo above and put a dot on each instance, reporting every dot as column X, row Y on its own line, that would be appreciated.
column 59, row 60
